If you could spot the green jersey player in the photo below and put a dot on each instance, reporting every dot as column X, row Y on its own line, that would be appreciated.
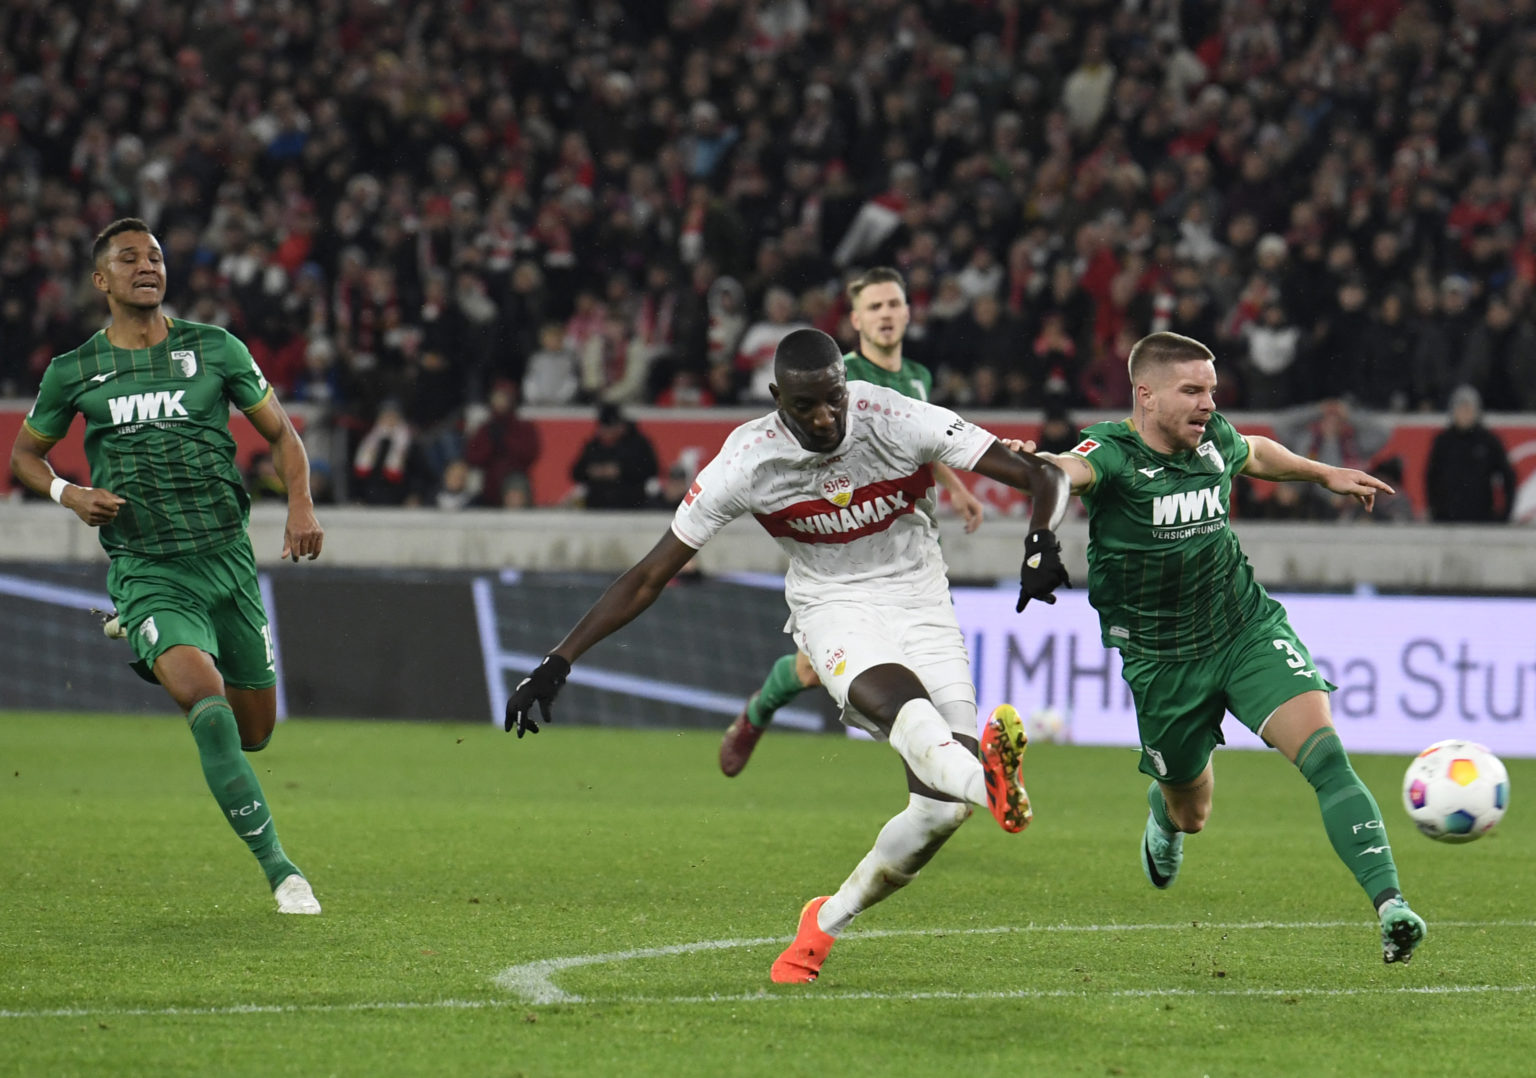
column 1198, row 635
column 880, row 315
column 171, row 508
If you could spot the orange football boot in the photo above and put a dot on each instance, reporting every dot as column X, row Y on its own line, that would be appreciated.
column 1002, row 747
column 801, row 961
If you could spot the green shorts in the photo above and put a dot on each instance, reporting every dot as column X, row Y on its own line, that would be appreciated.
column 210, row 601
column 1180, row 705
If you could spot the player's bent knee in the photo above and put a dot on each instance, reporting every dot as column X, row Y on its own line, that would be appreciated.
column 258, row 746
column 940, row 817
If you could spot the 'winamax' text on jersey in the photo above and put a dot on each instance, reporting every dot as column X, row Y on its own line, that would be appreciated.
column 1165, row 570
column 856, row 522
column 157, row 433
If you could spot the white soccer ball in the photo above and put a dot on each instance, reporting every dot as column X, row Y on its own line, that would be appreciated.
column 1046, row 724
column 1455, row 791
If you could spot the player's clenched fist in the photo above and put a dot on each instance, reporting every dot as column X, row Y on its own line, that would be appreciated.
column 1042, row 572
column 95, row 507
column 543, row 685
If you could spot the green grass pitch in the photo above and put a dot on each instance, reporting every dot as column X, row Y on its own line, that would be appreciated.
column 604, row 902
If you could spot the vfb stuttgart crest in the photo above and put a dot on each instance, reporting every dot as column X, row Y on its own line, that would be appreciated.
column 838, row 490
column 185, row 361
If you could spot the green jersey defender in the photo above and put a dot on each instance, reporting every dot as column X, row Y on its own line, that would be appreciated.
column 1197, row 633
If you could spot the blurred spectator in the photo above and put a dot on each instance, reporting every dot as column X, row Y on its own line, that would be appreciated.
column 1270, row 363
column 505, row 445
column 460, row 486
column 1499, row 358
column 553, row 371
column 617, row 466
column 386, row 469
column 754, row 356
column 1468, row 476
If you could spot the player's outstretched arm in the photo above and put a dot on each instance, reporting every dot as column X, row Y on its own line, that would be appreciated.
column 1049, row 490
column 29, row 463
column 302, row 535
column 626, row 599
column 1268, row 459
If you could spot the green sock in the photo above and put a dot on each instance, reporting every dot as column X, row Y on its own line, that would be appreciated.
column 1159, row 808
column 234, row 785
column 782, row 686
column 1350, row 814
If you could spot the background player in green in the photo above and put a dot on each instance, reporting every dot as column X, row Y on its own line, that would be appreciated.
column 1198, row 635
column 168, row 498
column 877, row 300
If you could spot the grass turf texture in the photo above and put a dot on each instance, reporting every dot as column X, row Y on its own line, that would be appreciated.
column 137, row 937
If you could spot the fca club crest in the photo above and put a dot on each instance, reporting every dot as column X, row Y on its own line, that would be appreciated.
column 185, row 362
column 838, row 490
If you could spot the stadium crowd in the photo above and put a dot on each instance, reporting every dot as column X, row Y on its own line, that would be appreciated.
column 420, row 213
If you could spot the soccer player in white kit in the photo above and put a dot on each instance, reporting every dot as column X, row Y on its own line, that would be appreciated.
column 840, row 475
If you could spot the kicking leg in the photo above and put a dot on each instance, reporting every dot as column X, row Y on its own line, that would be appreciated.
column 1302, row 729
column 789, row 677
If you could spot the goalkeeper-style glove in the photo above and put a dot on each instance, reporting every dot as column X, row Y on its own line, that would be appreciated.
column 1042, row 571
column 541, row 685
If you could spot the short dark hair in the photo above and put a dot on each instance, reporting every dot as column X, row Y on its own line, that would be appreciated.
column 116, row 228
column 877, row 275
column 1162, row 348
column 805, row 351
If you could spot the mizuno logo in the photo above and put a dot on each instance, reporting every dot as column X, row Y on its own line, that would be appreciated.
column 142, row 407
column 103, row 377
column 1186, row 505
column 1150, row 473
column 1373, row 849
column 259, row 830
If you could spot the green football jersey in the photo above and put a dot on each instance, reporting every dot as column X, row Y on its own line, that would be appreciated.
column 1165, row 571
column 157, row 433
column 912, row 379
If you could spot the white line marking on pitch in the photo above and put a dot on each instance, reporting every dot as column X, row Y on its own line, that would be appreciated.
column 532, row 982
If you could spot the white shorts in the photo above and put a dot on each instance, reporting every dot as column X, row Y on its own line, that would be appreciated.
column 843, row 640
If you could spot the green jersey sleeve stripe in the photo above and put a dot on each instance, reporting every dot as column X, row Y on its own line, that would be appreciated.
column 261, row 403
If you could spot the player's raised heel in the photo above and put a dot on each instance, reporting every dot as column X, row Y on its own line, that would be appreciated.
column 1002, row 748
column 801, row 961
column 1401, row 931
column 740, row 739
column 1161, row 856
column 294, row 895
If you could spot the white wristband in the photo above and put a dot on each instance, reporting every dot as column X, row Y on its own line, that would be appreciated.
column 56, row 488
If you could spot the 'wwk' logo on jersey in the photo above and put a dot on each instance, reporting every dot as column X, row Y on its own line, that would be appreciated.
column 1186, row 506
column 142, row 407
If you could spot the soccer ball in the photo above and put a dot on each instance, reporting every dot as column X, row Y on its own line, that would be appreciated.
column 1455, row 791
column 1046, row 724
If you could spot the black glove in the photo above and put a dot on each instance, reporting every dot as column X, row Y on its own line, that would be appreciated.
column 541, row 685
column 1042, row 571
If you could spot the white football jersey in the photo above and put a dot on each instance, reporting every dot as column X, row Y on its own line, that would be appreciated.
column 858, row 522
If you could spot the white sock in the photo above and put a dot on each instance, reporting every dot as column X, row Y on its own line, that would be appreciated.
column 928, row 746
column 905, row 844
